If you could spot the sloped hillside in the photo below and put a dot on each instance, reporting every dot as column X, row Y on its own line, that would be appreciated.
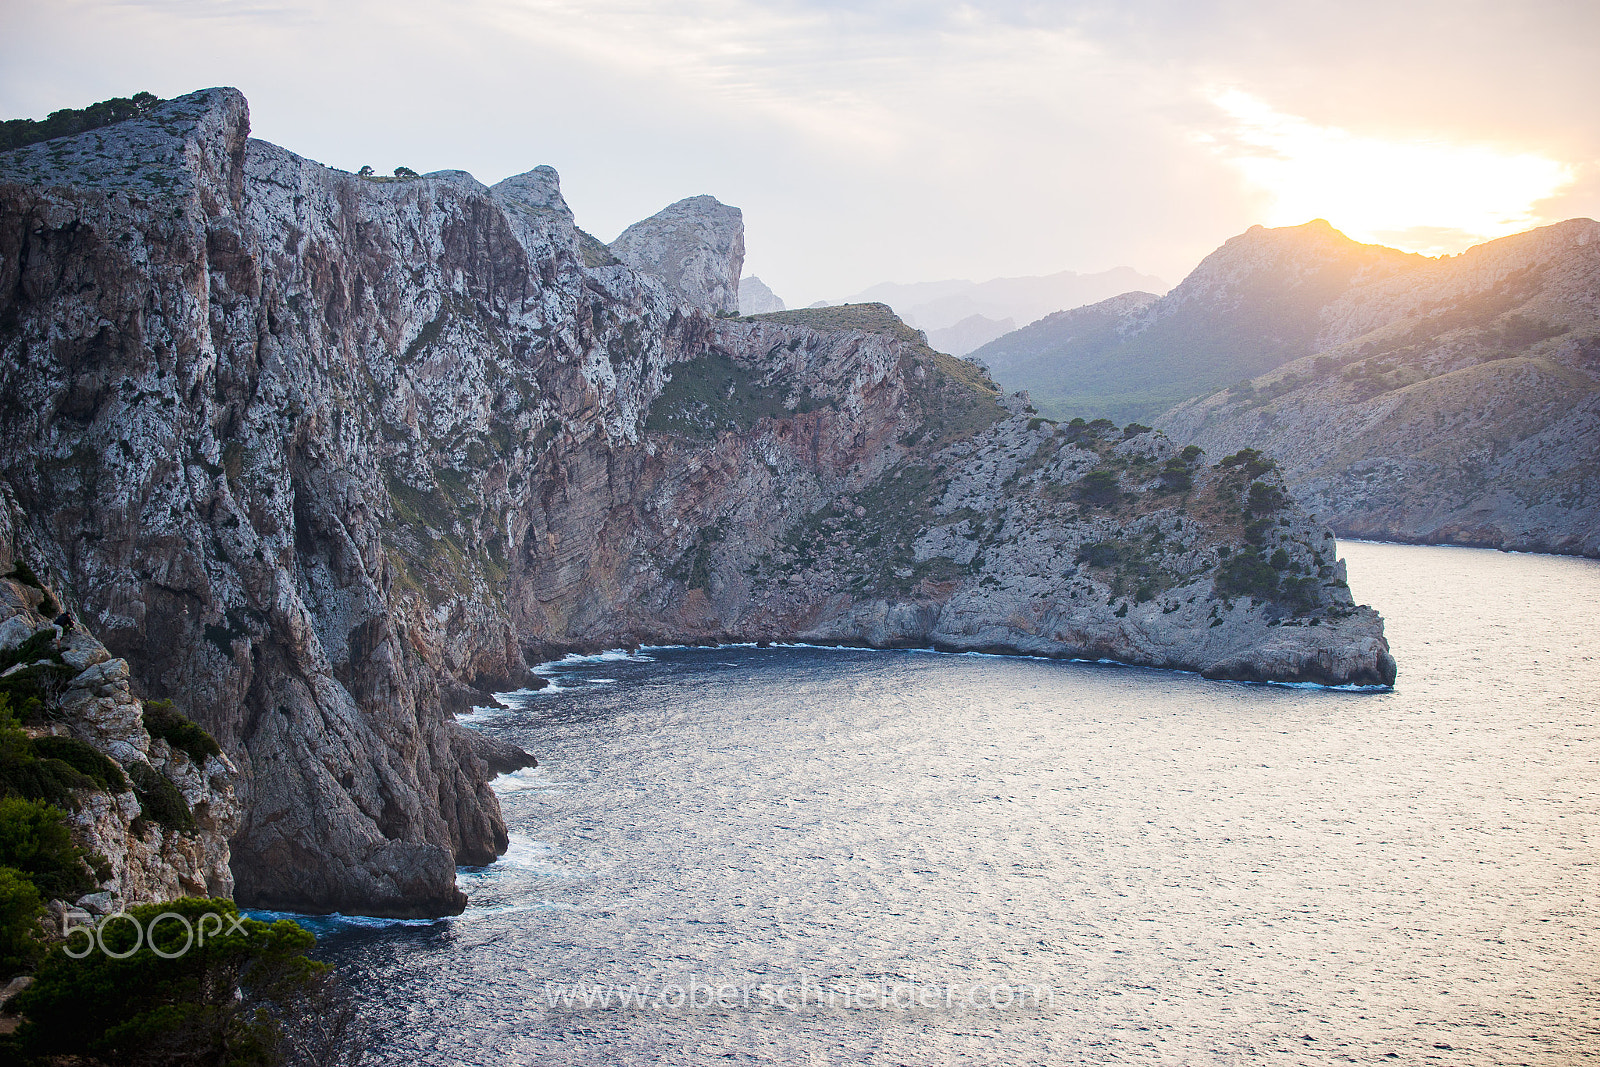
column 1457, row 402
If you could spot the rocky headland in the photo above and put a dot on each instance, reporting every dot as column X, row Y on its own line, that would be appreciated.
column 325, row 458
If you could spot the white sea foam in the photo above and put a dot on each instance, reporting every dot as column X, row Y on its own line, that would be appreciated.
column 615, row 655
column 336, row 919
column 523, row 854
column 517, row 693
column 481, row 714
column 534, row 694
column 522, row 781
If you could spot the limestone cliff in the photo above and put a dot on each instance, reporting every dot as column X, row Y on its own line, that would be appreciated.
column 695, row 246
column 324, row 457
column 157, row 819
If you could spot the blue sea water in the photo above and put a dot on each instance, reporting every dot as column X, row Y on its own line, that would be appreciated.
column 808, row 856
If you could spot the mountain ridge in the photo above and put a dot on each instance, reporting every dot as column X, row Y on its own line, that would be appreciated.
column 1458, row 403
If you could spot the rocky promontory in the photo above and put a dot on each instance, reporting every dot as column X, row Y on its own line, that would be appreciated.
column 324, row 457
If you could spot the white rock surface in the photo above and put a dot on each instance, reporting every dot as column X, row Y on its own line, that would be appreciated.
column 695, row 246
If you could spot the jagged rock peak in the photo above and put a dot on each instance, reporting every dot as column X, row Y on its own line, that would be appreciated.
column 696, row 247
column 755, row 298
column 538, row 190
column 534, row 197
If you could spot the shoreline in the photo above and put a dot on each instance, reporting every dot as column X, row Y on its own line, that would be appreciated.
column 620, row 652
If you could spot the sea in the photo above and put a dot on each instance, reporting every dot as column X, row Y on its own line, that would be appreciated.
column 819, row 856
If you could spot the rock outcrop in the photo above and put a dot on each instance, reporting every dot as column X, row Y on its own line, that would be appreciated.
column 323, row 457
column 695, row 246
column 1457, row 402
column 142, row 852
column 756, row 299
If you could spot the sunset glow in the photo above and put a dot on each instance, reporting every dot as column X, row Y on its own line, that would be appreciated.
column 1423, row 196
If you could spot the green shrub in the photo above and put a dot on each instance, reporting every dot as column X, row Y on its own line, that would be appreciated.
column 20, row 908
column 1191, row 453
column 21, row 572
column 159, row 799
column 1254, row 464
column 34, row 693
column 1134, row 429
column 41, row 646
column 84, row 758
column 49, row 780
column 163, row 720
column 23, row 774
column 1098, row 488
column 15, row 133
column 245, row 996
column 1247, row 574
column 1100, row 554
column 35, row 841
column 1265, row 499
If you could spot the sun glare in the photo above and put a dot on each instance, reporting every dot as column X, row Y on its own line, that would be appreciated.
column 1421, row 196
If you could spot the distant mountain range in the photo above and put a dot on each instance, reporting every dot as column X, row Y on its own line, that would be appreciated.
column 972, row 332
column 1254, row 304
column 1451, row 400
column 960, row 315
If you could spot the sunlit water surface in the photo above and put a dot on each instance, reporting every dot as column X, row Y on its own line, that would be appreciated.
column 1199, row 872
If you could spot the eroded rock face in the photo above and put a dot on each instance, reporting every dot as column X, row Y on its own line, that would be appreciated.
column 141, row 859
column 325, row 457
column 695, row 246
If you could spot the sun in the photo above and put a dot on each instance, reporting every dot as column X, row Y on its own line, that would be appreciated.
column 1422, row 196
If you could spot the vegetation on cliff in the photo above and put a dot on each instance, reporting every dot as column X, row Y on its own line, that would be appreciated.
column 15, row 133
column 187, row 982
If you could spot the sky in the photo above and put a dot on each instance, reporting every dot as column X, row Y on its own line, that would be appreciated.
column 899, row 141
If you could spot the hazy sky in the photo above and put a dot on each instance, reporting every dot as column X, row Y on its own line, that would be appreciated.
column 873, row 142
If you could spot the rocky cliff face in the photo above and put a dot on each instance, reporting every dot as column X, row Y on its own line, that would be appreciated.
column 324, row 457
column 145, row 848
column 696, row 247
column 1456, row 402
